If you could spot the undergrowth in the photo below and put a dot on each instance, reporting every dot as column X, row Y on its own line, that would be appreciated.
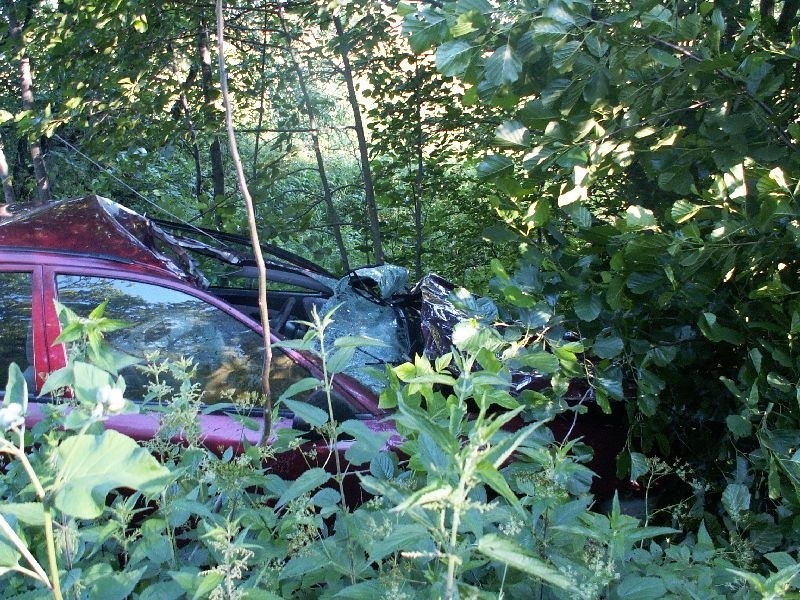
column 479, row 500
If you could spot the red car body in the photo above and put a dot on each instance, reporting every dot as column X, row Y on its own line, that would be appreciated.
column 96, row 238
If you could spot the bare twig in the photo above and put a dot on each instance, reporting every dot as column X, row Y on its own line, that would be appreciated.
column 252, row 226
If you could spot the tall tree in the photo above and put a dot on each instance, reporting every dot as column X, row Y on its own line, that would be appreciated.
column 215, row 149
column 8, row 190
column 19, row 12
column 309, row 109
column 361, row 136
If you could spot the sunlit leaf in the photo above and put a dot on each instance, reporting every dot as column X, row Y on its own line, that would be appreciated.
column 90, row 466
column 452, row 58
column 512, row 134
column 503, row 67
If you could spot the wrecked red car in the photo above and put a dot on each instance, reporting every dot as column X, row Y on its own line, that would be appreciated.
column 190, row 292
column 84, row 252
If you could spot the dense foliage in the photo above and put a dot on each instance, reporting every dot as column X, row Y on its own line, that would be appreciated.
column 449, row 516
column 635, row 165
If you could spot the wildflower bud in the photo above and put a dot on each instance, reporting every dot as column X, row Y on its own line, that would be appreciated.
column 111, row 399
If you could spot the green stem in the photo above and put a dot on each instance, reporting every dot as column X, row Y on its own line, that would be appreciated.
column 38, row 572
column 51, row 552
column 335, row 442
column 460, row 501
column 54, row 582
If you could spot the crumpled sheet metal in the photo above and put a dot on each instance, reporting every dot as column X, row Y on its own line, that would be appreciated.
column 443, row 307
column 362, row 315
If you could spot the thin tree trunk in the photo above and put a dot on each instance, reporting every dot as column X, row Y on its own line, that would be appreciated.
column 26, row 92
column 215, row 151
column 261, row 102
column 419, row 178
column 333, row 215
column 366, row 171
column 8, row 190
column 183, row 109
column 251, row 222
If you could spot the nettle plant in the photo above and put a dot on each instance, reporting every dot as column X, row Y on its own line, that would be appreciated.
column 463, row 506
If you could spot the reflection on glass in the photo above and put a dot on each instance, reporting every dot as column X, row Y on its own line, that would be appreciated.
column 228, row 354
column 16, row 334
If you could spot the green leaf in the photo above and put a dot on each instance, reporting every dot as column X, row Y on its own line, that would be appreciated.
column 717, row 333
column 641, row 283
column 433, row 493
column 608, row 346
column 503, row 67
column 30, row 513
column 641, row 588
column 736, row 499
column 309, row 480
column 638, row 217
column 539, row 360
column 588, row 306
column 88, row 380
column 313, row 415
column 546, row 31
column 298, row 387
column 564, row 55
column 339, row 360
column 513, row 134
column 102, row 582
column 579, row 214
column 739, row 426
column 139, row 23
column 409, row 536
column 494, row 165
column 489, row 475
column 425, row 29
column 512, row 554
column 16, row 388
column 639, row 465
column 357, row 341
column 735, row 183
column 453, row 58
column 367, row 444
column 664, row 58
column 610, row 382
column 89, row 466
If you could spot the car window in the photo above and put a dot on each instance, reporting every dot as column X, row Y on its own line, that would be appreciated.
column 16, row 326
column 227, row 352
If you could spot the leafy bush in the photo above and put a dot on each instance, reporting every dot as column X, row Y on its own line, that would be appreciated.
column 464, row 507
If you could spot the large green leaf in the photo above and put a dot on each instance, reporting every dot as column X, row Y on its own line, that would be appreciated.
column 494, row 164
column 425, row 28
column 89, row 466
column 503, row 67
column 453, row 58
column 588, row 306
column 512, row 134
column 512, row 554
column 309, row 480
column 367, row 443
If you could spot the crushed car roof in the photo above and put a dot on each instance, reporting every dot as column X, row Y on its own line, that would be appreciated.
column 95, row 226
